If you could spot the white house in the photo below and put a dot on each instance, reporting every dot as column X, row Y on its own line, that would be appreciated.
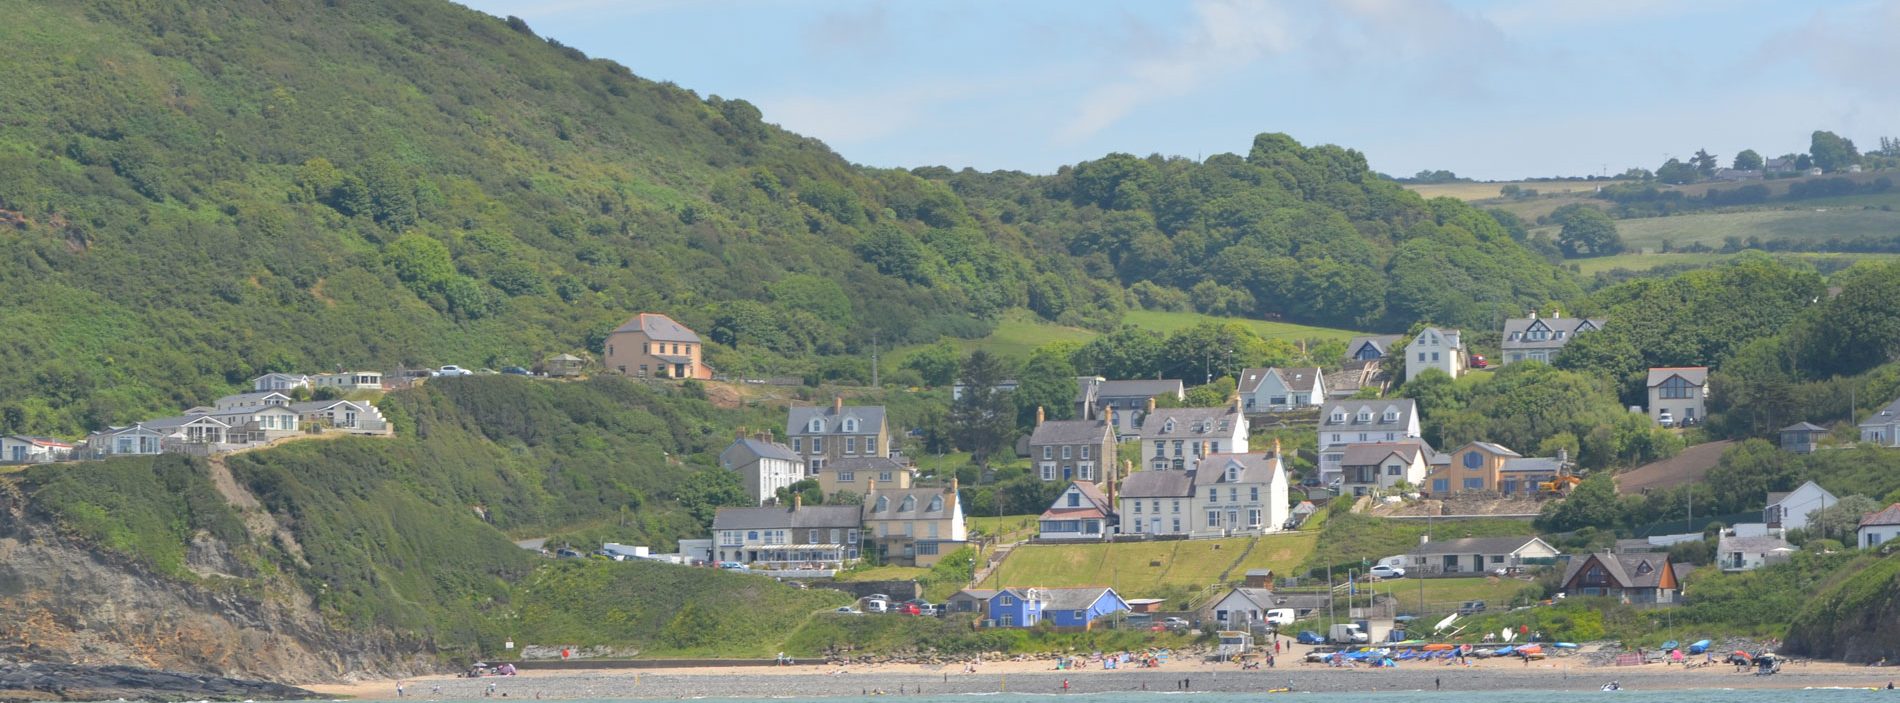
column 24, row 449
column 1080, row 513
column 348, row 415
column 1739, row 551
column 1177, row 438
column 1540, row 338
column 1278, row 390
column 121, row 441
column 285, row 382
column 1240, row 494
column 1878, row 528
column 1434, row 348
column 1376, row 467
column 1791, row 510
column 1677, row 395
column 1478, row 555
column 1156, row 503
column 763, row 465
column 1882, row 429
column 1347, row 422
column 349, row 380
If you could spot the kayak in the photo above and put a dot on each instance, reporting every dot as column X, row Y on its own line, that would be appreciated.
column 1564, row 645
column 1671, row 644
column 1439, row 647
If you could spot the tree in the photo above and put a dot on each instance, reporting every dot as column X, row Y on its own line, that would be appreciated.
column 1838, row 521
column 1748, row 160
column 1593, row 503
column 1586, row 232
column 1047, row 381
column 1831, row 152
column 1704, row 162
column 806, row 488
column 937, row 364
column 708, row 490
column 984, row 419
column 1676, row 172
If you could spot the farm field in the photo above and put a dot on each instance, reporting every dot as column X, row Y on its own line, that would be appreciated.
column 1139, row 569
column 1810, row 223
column 1647, row 261
column 1008, row 528
column 1489, row 190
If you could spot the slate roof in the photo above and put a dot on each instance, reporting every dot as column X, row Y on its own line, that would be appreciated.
column 1070, row 432
column 1072, row 598
column 42, row 441
column 1381, row 342
column 1474, row 545
column 1190, row 423
column 799, row 518
column 1454, row 339
column 1493, row 448
column 767, row 450
column 1298, row 380
column 919, row 510
column 1889, row 516
column 1696, row 375
column 1371, row 453
column 1804, row 427
column 166, row 423
column 1884, row 416
column 865, row 463
column 1094, row 503
column 1254, row 468
column 1625, row 570
column 976, row 593
column 319, row 405
column 1569, row 326
column 247, row 397
column 798, row 419
column 659, row 328
column 1157, row 484
column 1756, row 544
column 1534, row 464
column 1405, row 408
column 1261, row 598
column 1138, row 388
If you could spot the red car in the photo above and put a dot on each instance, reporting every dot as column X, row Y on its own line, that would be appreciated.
column 908, row 609
column 1478, row 362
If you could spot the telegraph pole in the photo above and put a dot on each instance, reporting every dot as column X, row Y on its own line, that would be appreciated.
column 874, row 383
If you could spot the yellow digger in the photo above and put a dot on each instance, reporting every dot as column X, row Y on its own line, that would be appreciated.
column 1559, row 486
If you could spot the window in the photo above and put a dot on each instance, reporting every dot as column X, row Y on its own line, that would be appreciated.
column 1365, row 416
column 884, row 476
column 1338, row 417
column 1048, row 471
column 883, row 504
column 1215, row 449
column 1177, row 524
column 1393, row 470
column 1067, row 452
column 752, row 536
column 1048, row 452
column 1362, row 436
column 1177, row 510
column 1434, row 356
column 1391, row 416
column 816, row 425
column 1474, row 484
column 1676, row 387
column 1161, row 449
column 1233, row 474
column 1137, row 505
column 1085, row 452
column 1233, row 494
column 1253, row 494
column 1213, row 518
column 909, row 504
column 1473, row 460
column 811, row 537
column 931, row 533
column 850, row 424
column 850, row 445
column 1421, row 356
column 1497, row 558
column 847, row 476
column 1177, row 447
column 817, row 445
column 1169, row 427
column 1085, row 470
column 817, row 465
column 936, row 506
column 1075, row 499
column 1440, row 485
column 1253, row 517
column 1157, row 505
column 1213, row 494
column 1335, row 436
column 1276, row 400
column 870, row 445
column 798, row 444
column 646, row 347
column 1004, row 600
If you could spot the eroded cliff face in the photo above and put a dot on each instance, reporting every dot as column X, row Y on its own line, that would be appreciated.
column 65, row 602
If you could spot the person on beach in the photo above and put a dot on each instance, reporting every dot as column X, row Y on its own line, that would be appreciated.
column 1437, row 683
column 1065, row 685
column 399, row 692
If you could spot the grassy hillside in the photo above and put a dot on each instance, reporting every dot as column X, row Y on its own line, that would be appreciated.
column 1149, row 569
column 196, row 192
column 1020, row 332
column 1817, row 224
column 662, row 610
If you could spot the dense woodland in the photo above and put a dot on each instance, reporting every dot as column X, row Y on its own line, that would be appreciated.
column 195, row 193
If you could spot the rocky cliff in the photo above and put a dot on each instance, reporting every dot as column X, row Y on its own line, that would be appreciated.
column 1853, row 618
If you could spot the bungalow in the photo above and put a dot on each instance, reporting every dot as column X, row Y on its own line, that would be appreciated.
column 123, row 441
column 1177, row 438
column 1791, row 510
column 1081, row 512
column 857, row 474
column 1882, row 429
column 253, row 399
column 349, row 415
column 764, row 466
column 190, row 429
column 1739, row 551
column 1062, row 607
column 1478, row 555
column 1376, row 467
column 1644, row 579
column 1131, row 399
column 914, row 526
column 346, row 381
column 970, row 600
column 1802, row 437
column 1246, row 605
column 1278, row 390
column 1156, row 503
column 256, row 423
column 25, row 449
column 794, row 537
column 1878, row 528
column 285, row 382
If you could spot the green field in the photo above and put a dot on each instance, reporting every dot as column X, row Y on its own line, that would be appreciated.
column 1008, row 528
column 1163, row 321
column 1647, row 261
column 1143, row 569
column 1711, row 228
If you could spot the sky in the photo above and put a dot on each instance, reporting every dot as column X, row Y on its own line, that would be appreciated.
column 1489, row 89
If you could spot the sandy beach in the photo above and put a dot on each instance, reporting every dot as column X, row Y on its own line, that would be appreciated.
column 1561, row 674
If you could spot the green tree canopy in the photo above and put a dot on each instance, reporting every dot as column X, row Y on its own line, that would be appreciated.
column 1748, row 160
column 1586, row 232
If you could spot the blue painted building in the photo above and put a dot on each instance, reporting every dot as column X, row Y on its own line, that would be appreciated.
column 1062, row 607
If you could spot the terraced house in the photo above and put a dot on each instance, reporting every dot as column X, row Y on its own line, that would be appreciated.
column 1175, row 439
column 1343, row 423
column 1072, row 450
column 825, row 434
column 914, row 526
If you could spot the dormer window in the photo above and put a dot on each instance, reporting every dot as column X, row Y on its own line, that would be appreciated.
column 1365, row 416
column 936, row 504
column 883, row 504
column 1516, row 336
column 1391, row 416
column 1168, row 427
column 1644, row 568
column 1233, row 474
column 1338, row 416
column 816, row 426
column 1559, row 334
column 909, row 504
column 851, row 424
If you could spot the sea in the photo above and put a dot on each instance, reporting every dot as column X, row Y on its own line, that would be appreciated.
column 1706, row 695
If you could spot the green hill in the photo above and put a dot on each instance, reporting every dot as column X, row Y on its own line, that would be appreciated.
column 196, row 192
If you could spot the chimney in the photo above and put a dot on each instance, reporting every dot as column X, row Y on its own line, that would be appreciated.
column 1110, row 418
column 1533, row 313
column 1424, row 540
column 1276, row 446
column 1039, row 416
column 1556, row 314
column 1151, row 404
column 953, row 485
column 837, row 405
column 798, row 501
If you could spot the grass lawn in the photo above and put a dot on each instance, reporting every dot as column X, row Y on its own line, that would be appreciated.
column 1444, row 595
column 1164, row 322
column 885, row 573
column 1142, row 569
column 1008, row 528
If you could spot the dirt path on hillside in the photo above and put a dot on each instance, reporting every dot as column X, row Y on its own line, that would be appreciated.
column 259, row 521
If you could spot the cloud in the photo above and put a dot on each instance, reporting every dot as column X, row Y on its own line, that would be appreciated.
column 868, row 30
column 1571, row 15
column 1851, row 46
column 1451, row 50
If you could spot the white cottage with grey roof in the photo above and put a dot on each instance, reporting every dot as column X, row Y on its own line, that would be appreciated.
column 1882, row 429
column 1343, row 423
column 1540, row 338
column 763, row 465
column 1240, row 494
column 1434, row 348
column 1156, row 503
column 1278, row 390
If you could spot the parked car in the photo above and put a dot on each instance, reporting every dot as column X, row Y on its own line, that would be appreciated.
column 568, row 553
column 1471, row 607
column 1309, row 637
column 877, row 606
column 1665, row 419
column 452, row 370
column 908, row 609
column 931, row 611
column 1176, row 624
column 848, row 610
column 1281, row 617
column 732, row 566
column 1479, row 362
column 1387, row 572
column 878, row 596
column 515, row 371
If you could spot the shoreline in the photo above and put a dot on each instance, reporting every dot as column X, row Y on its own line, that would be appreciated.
column 1039, row 677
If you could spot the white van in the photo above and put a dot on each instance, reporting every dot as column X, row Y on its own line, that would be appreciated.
column 877, row 606
column 1281, row 617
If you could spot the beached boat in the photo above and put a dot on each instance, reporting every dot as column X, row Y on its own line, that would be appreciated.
column 1671, row 644
column 1699, row 647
